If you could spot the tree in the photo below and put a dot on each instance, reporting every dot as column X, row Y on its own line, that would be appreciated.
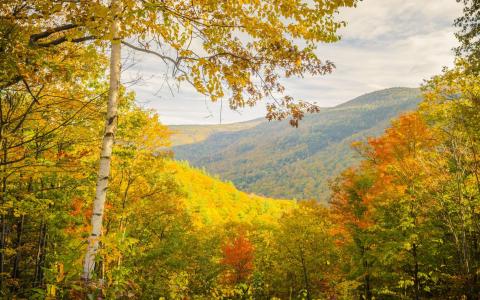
column 306, row 260
column 451, row 107
column 238, row 255
column 405, row 191
column 107, row 143
column 389, row 207
column 48, row 103
column 353, row 214
column 469, row 31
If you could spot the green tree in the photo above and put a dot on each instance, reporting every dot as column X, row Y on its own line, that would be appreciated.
column 469, row 31
column 305, row 255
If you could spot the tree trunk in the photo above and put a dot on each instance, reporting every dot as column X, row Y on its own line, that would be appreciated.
column 416, row 281
column 107, row 146
column 18, row 246
column 3, row 216
column 39, row 262
column 368, row 292
column 305, row 276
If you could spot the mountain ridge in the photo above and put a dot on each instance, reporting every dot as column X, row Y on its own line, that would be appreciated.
column 276, row 160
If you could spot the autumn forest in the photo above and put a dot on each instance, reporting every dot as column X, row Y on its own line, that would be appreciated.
column 95, row 205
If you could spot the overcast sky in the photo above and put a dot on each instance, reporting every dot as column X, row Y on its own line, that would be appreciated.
column 387, row 43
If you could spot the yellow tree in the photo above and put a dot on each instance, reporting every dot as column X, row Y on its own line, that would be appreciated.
column 45, row 92
column 226, row 49
column 305, row 252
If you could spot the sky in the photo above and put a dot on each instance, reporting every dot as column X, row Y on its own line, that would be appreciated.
column 386, row 43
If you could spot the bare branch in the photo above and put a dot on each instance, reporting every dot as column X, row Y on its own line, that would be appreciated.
column 163, row 57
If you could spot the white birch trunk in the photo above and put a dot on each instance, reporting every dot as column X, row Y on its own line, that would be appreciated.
column 107, row 146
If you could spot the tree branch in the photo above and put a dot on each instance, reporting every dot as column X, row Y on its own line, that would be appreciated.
column 34, row 38
column 163, row 57
column 64, row 39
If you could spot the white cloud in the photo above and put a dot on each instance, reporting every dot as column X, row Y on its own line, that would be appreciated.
column 386, row 43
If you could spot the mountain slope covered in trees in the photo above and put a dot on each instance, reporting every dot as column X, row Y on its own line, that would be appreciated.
column 209, row 201
column 274, row 159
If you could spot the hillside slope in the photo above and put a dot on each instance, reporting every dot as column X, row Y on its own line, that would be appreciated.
column 276, row 160
column 209, row 201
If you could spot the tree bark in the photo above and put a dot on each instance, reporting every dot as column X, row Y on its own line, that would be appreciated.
column 368, row 292
column 107, row 146
column 416, row 281
column 39, row 262
column 305, row 276
column 18, row 246
column 3, row 217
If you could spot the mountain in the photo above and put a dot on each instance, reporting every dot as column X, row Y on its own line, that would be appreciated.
column 190, row 134
column 276, row 160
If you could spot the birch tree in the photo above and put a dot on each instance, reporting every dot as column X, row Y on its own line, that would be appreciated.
column 107, row 144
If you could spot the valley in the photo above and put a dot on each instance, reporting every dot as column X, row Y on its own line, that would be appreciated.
column 275, row 160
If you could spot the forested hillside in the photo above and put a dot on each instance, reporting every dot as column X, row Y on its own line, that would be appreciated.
column 279, row 161
column 212, row 202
